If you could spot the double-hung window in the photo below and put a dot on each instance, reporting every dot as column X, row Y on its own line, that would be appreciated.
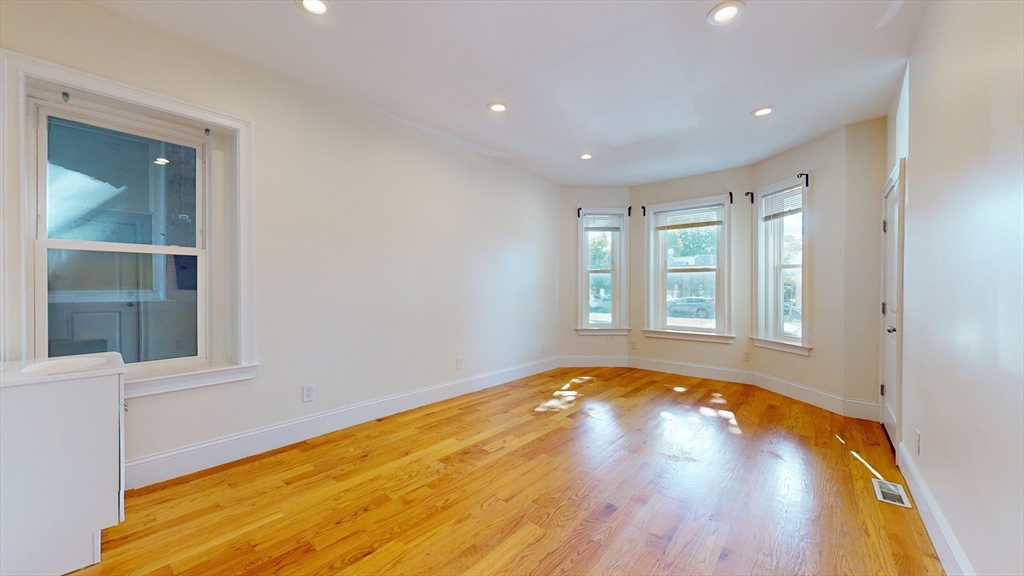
column 119, row 250
column 140, row 239
column 781, row 278
column 603, row 272
column 688, row 269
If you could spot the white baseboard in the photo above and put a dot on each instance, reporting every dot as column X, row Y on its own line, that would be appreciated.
column 812, row 396
column 594, row 361
column 695, row 370
column 951, row 554
column 862, row 409
column 174, row 463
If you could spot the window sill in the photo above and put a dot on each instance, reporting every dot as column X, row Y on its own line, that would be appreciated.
column 695, row 336
column 602, row 331
column 782, row 346
column 153, row 382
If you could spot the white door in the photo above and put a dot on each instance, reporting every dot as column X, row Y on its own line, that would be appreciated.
column 892, row 305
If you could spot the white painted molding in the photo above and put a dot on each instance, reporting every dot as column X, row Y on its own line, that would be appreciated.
column 695, row 370
column 951, row 554
column 174, row 463
column 781, row 346
column 602, row 331
column 594, row 361
column 863, row 409
column 812, row 396
column 696, row 336
column 169, row 383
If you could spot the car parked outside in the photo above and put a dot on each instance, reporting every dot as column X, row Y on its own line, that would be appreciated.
column 692, row 307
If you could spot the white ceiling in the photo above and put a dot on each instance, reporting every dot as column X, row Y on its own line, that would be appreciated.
column 649, row 88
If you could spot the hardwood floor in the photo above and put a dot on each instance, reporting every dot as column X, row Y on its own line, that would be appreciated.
column 578, row 470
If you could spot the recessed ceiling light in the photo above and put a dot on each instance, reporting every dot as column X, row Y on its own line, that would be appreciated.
column 161, row 161
column 725, row 12
column 315, row 6
column 496, row 107
column 763, row 111
column 585, row 156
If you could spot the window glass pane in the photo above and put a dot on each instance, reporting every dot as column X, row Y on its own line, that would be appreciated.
column 599, row 251
column 141, row 305
column 600, row 298
column 792, row 296
column 690, row 300
column 690, row 247
column 792, row 238
column 109, row 186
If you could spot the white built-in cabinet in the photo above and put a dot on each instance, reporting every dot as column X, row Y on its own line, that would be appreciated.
column 61, row 461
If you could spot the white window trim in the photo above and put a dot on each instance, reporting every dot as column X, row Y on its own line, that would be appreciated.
column 17, row 214
column 620, row 301
column 723, row 281
column 781, row 346
column 694, row 336
column 801, row 346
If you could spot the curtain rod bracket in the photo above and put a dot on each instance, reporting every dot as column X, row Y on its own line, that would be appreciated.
column 579, row 211
column 751, row 194
column 730, row 197
column 806, row 177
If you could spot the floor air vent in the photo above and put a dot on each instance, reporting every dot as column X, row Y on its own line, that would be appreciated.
column 891, row 492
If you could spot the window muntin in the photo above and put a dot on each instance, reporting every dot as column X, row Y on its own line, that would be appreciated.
column 119, row 240
column 780, row 264
column 688, row 266
column 603, row 272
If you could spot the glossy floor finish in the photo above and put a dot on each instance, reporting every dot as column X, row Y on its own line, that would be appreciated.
column 580, row 470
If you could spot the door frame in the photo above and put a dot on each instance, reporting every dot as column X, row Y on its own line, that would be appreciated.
column 895, row 184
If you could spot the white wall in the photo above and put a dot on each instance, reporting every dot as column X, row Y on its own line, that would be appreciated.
column 570, row 343
column 382, row 253
column 963, row 363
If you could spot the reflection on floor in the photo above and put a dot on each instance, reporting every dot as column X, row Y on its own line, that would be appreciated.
column 636, row 473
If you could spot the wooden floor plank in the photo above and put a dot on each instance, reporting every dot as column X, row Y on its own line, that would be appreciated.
column 575, row 471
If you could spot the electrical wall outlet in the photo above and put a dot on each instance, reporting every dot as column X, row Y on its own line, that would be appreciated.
column 543, row 346
column 918, row 432
column 458, row 362
column 308, row 393
column 632, row 344
column 746, row 355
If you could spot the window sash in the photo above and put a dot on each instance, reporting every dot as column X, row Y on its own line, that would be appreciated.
column 774, row 207
column 688, row 215
column 43, row 244
column 613, row 222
